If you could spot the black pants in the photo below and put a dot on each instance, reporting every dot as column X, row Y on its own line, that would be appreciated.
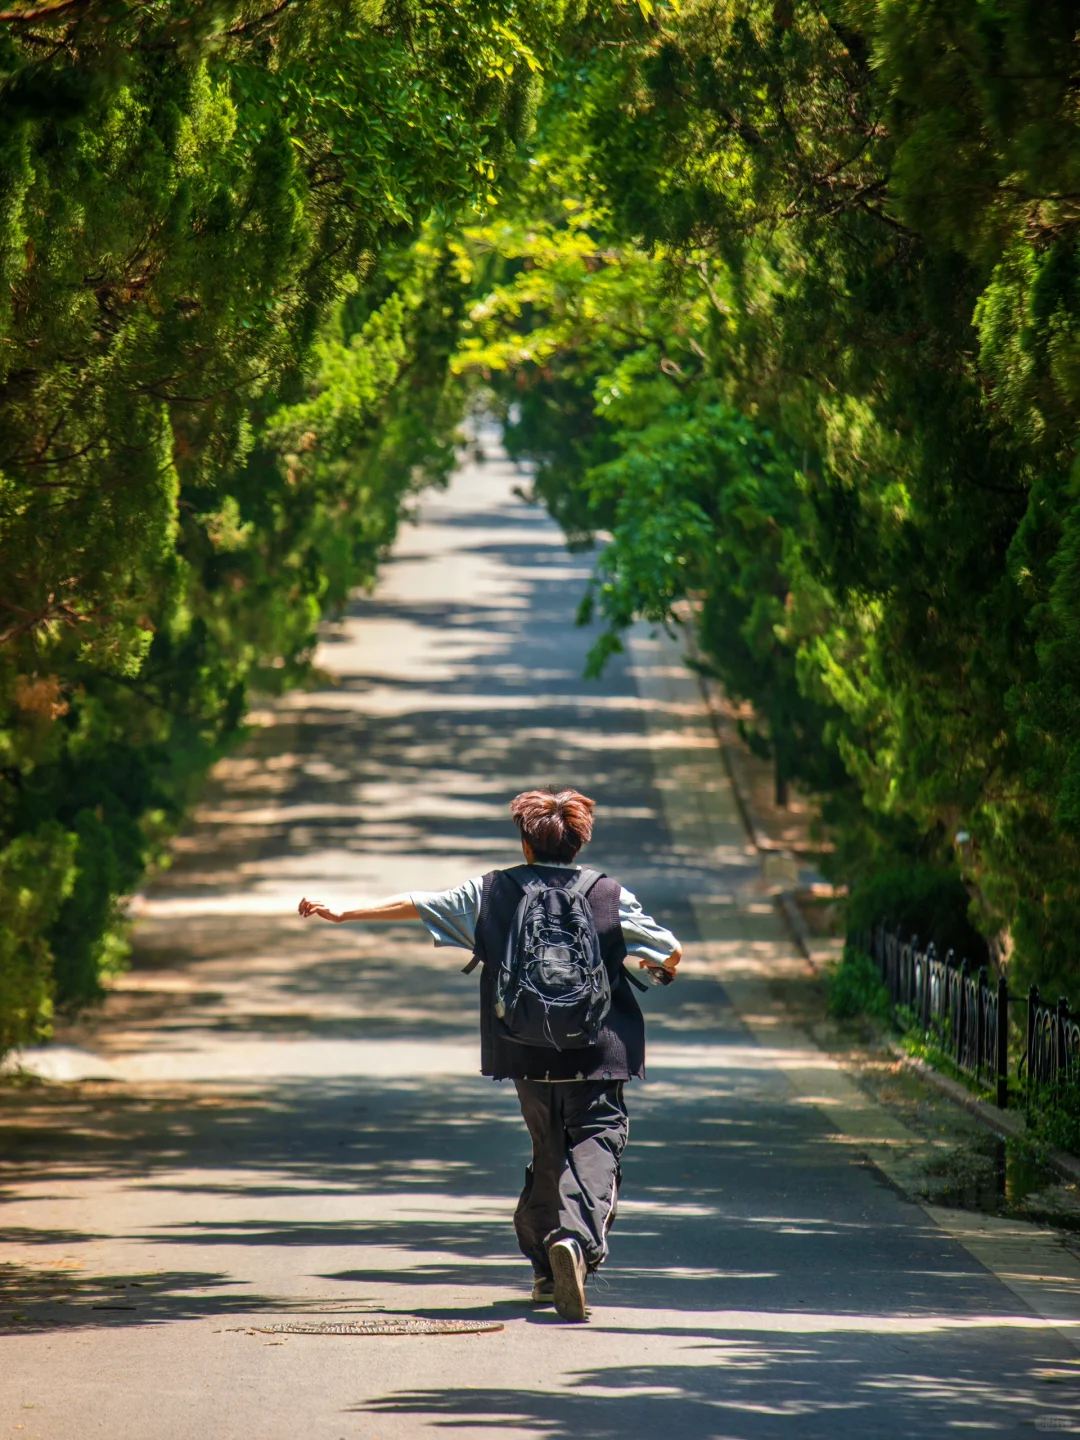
column 578, row 1130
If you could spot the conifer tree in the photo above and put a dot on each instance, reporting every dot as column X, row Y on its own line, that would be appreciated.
column 843, row 419
column 226, row 308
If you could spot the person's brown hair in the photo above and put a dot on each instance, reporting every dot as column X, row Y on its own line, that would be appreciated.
column 556, row 823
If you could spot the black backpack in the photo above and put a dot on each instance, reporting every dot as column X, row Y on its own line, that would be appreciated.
column 552, row 987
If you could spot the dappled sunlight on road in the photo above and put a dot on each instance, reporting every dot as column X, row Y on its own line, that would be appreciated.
column 287, row 1118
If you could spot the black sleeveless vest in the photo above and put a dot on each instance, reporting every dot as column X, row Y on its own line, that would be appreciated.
column 619, row 1053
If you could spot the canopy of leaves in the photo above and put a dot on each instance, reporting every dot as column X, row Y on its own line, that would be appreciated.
column 791, row 303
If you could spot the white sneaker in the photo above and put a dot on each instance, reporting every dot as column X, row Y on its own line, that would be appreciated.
column 568, row 1270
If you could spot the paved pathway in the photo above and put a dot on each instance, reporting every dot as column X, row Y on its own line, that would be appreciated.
column 287, row 1120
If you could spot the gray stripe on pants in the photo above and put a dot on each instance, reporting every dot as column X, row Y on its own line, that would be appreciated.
column 578, row 1130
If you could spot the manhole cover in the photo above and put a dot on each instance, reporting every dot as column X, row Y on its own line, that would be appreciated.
column 382, row 1327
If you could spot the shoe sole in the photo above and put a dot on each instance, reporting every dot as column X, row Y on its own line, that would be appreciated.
column 569, row 1299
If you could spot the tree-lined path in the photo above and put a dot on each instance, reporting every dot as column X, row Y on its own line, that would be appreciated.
column 287, row 1118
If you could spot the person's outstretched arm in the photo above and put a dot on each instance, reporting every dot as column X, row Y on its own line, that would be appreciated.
column 397, row 908
column 449, row 915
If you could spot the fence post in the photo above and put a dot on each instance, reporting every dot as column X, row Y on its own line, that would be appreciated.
column 1060, row 1034
column 982, row 991
column 916, row 993
column 1033, row 1005
column 961, row 1012
column 948, row 1009
column 890, row 967
column 928, row 966
column 1003, row 1043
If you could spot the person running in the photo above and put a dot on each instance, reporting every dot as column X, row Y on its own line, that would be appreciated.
column 570, row 1089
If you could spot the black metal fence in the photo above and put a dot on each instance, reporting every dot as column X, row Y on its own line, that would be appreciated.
column 966, row 1014
column 1053, row 1042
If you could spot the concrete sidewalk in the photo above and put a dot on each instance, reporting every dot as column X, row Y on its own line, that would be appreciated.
column 288, row 1119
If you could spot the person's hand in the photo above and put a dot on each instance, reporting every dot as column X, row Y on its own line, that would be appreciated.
column 671, row 964
column 308, row 908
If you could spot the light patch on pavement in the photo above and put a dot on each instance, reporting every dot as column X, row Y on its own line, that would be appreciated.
column 800, row 1322
column 257, row 1060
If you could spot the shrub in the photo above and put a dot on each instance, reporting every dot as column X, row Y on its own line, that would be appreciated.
column 37, row 872
column 854, row 987
column 1054, row 1121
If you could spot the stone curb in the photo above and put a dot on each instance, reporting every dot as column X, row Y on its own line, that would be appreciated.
column 732, row 758
column 733, row 765
column 796, row 922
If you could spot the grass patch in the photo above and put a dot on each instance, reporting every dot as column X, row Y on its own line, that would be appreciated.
column 1053, row 1120
column 926, row 1047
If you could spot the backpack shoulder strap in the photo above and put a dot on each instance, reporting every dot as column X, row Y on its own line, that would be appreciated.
column 529, row 883
column 524, row 876
column 584, row 882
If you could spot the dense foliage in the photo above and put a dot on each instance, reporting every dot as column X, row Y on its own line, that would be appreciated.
column 790, row 306
column 226, row 310
column 785, row 301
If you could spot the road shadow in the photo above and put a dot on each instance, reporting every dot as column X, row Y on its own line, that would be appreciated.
column 785, row 1287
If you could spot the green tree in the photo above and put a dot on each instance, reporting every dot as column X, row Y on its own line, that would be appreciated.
column 860, row 219
column 225, row 318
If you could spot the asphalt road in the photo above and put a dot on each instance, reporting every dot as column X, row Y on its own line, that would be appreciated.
column 274, row 1121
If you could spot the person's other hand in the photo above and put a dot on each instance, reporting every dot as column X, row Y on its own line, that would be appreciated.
column 671, row 964
column 314, row 907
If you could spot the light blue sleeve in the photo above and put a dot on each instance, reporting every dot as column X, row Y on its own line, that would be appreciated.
column 643, row 936
column 451, row 915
